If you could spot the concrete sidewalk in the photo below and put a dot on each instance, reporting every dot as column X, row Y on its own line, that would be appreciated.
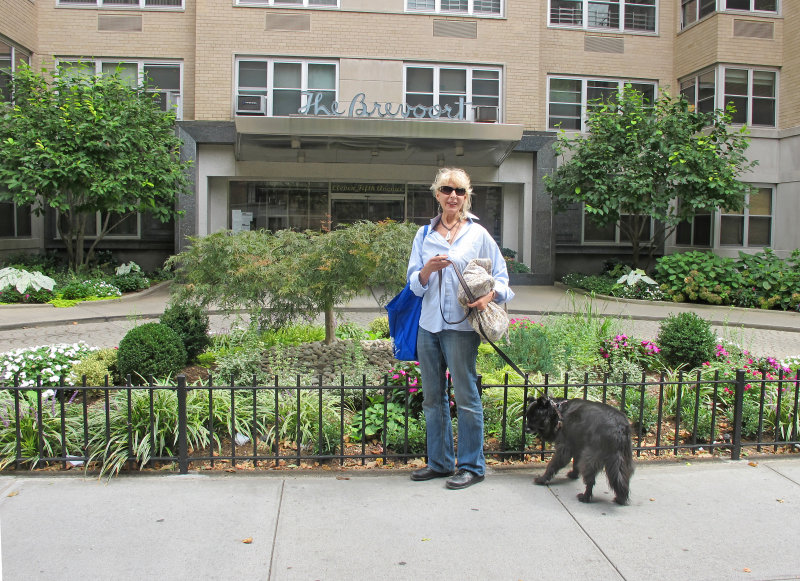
column 705, row 520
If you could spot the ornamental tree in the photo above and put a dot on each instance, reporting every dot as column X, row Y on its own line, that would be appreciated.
column 278, row 278
column 82, row 144
column 640, row 162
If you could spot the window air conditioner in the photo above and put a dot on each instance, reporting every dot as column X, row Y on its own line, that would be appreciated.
column 486, row 114
column 251, row 105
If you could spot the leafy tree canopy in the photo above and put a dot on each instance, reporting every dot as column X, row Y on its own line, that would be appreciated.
column 83, row 144
column 639, row 160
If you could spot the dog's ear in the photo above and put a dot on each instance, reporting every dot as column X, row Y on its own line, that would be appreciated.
column 543, row 401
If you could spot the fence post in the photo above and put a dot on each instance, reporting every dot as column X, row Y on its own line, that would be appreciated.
column 738, row 402
column 183, row 452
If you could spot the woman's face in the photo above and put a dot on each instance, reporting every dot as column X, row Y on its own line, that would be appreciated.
column 451, row 203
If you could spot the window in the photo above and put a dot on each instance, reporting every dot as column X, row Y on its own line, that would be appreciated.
column 695, row 232
column 161, row 78
column 751, row 226
column 611, row 233
column 15, row 221
column 700, row 90
column 570, row 99
column 277, row 87
column 10, row 58
column 616, row 15
column 163, row 4
column 452, row 90
column 753, row 92
column 752, row 5
column 290, row 3
column 694, row 10
column 455, row 7
column 129, row 227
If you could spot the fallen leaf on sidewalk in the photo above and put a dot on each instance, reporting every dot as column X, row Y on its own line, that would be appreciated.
column 753, row 464
column 10, row 494
column 746, row 570
column 779, row 500
column 425, row 539
column 342, row 478
column 652, row 500
column 248, row 540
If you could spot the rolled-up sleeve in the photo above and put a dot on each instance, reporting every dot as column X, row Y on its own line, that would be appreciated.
column 500, row 273
column 415, row 264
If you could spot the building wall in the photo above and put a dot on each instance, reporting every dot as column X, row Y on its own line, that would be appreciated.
column 161, row 34
column 372, row 41
column 19, row 22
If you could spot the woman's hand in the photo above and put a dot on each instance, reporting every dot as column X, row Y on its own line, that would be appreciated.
column 482, row 302
column 435, row 264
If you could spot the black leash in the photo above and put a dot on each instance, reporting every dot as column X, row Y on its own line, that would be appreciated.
column 472, row 299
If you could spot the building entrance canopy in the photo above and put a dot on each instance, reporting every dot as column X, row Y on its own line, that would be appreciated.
column 386, row 141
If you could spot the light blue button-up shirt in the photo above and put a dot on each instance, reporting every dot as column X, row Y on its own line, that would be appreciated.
column 473, row 242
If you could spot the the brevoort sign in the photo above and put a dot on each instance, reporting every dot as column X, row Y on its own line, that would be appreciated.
column 359, row 107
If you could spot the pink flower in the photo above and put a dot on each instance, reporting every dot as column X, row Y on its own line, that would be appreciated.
column 413, row 390
column 395, row 376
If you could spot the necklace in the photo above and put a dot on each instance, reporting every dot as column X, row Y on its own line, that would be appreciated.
column 450, row 229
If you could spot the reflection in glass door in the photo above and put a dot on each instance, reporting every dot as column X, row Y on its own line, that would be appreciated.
column 349, row 208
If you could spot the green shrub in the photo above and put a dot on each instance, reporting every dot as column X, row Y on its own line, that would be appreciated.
column 89, row 288
column 350, row 331
column 96, row 367
column 379, row 328
column 151, row 349
column 698, row 277
column 132, row 282
column 396, row 436
column 191, row 323
column 686, row 340
column 529, row 347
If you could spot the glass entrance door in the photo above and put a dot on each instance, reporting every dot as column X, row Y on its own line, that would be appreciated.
column 349, row 208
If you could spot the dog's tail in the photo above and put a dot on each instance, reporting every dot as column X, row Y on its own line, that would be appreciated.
column 619, row 469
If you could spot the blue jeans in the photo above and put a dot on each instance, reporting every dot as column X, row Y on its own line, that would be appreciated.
column 456, row 351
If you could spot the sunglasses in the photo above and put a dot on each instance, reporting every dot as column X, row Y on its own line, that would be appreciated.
column 447, row 190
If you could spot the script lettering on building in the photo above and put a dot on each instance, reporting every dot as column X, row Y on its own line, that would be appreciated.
column 359, row 107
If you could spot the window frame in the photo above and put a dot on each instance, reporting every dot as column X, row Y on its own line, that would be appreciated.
column 746, row 216
column 719, row 6
column 585, row 12
column 618, row 239
column 15, row 213
column 141, row 64
column 15, row 56
column 720, row 95
column 112, row 235
column 269, row 90
column 122, row 5
column 303, row 4
column 470, row 80
column 584, row 103
column 469, row 12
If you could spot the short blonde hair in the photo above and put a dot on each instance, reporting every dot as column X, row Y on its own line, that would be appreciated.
column 458, row 177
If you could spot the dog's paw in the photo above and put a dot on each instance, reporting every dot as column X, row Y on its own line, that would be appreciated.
column 621, row 501
column 541, row 480
column 583, row 497
column 573, row 474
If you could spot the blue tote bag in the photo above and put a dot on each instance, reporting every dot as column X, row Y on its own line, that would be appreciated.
column 404, row 311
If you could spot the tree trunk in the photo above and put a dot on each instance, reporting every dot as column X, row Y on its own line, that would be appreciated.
column 330, row 325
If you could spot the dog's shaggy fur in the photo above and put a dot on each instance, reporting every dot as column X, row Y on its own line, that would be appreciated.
column 594, row 435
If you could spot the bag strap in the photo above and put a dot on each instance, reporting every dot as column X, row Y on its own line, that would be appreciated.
column 471, row 298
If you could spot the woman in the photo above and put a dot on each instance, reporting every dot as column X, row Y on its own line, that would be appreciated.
column 454, row 237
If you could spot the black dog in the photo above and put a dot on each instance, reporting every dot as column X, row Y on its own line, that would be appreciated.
column 594, row 435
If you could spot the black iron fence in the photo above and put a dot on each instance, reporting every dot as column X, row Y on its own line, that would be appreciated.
column 138, row 426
